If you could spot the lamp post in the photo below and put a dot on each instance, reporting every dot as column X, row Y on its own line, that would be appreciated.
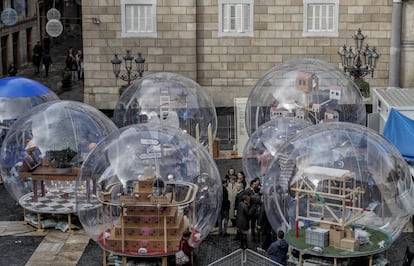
column 131, row 74
column 360, row 63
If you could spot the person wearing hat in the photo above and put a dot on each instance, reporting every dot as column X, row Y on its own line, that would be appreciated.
column 30, row 162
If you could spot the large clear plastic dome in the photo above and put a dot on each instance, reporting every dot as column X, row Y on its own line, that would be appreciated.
column 309, row 89
column 143, row 186
column 342, row 175
column 263, row 144
column 47, row 146
column 168, row 99
column 18, row 95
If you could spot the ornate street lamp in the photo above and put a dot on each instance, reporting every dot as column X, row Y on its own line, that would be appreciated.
column 360, row 62
column 130, row 75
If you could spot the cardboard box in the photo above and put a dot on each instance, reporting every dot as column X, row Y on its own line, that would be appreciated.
column 335, row 236
column 349, row 244
column 324, row 225
column 349, row 234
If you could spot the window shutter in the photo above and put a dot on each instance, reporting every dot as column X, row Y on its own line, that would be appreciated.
column 148, row 18
column 129, row 18
column 226, row 18
column 138, row 18
column 320, row 17
column 246, row 18
column 330, row 18
column 239, row 17
column 233, row 17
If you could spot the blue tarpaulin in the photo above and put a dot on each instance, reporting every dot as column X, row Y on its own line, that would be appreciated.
column 399, row 130
column 13, row 87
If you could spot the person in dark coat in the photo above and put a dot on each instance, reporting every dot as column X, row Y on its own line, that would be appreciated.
column 223, row 219
column 278, row 250
column 47, row 61
column 265, row 229
column 255, row 203
column 241, row 177
column 37, row 56
column 242, row 220
column 238, row 198
column 46, row 43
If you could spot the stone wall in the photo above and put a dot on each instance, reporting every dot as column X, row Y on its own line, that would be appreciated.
column 174, row 49
column 228, row 67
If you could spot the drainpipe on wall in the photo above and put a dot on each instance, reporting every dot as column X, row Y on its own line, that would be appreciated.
column 395, row 49
column 39, row 27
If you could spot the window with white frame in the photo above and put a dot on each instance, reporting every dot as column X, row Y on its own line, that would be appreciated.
column 235, row 17
column 320, row 18
column 139, row 18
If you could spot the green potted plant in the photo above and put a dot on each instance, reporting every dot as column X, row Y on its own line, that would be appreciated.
column 62, row 159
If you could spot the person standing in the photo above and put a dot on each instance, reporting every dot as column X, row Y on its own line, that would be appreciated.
column 74, row 68
column 241, row 177
column 37, row 56
column 68, row 59
column 47, row 61
column 265, row 229
column 239, row 194
column 79, row 60
column 231, row 188
column 242, row 220
column 230, row 172
column 278, row 250
column 255, row 203
column 223, row 219
column 46, row 43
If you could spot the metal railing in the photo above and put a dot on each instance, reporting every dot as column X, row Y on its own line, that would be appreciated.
column 245, row 257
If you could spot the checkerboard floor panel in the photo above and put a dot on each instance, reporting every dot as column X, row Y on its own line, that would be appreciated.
column 53, row 203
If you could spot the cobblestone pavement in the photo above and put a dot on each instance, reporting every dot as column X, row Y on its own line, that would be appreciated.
column 54, row 80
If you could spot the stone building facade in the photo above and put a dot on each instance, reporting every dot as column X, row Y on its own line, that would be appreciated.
column 189, row 40
column 18, row 37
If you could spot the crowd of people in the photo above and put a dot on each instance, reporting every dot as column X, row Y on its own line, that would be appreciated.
column 242, row 207
column 74, row 64
column 41, row 57
column 42, row 61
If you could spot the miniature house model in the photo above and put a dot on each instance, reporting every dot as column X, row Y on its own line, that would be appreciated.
column 170, row 99
column 337, row 195
column 340, row 190
column 150, row 222
column 153, row 183
column 306, row 81
column 306, row 89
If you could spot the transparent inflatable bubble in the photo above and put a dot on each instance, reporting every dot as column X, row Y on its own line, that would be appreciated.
column 17, row 96
column 308, row 89
column 44, row 149
column 168, row 99
column 342, row 177
column 263, row 144
column 143, row 186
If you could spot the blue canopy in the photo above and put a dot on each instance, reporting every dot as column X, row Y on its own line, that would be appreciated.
column 13, row 87
column 399, row 129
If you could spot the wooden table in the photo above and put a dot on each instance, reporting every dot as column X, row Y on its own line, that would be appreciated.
column 43, row 173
